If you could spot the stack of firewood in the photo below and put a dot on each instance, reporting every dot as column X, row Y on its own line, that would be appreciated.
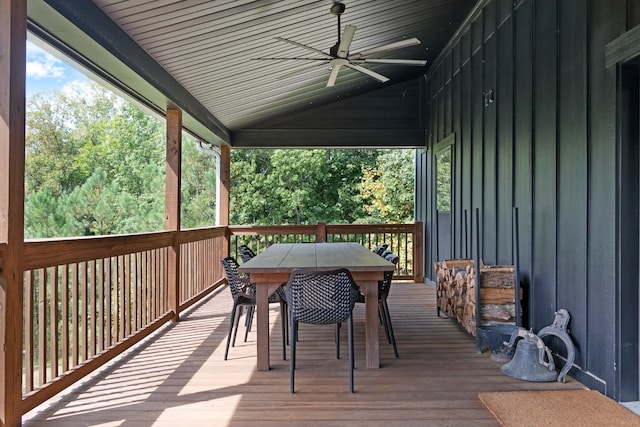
column 456, row 293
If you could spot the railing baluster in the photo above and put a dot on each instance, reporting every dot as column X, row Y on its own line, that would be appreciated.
column 84, row 309
column 109, row 281
column 28, row 330
column 53, row 324
column 92, row 297
column 65, row 318
column 100, row 306
column 42, row 326
column 75, row 327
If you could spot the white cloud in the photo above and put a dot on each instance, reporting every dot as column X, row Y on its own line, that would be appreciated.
column 41, row 65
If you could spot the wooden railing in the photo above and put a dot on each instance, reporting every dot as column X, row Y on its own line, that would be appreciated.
column 405, row 240
column 86, row 300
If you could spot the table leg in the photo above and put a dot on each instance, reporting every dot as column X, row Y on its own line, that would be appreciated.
column 370, row 290
column 262, row 308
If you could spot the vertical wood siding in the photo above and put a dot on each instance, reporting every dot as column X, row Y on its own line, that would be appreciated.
column 525, row 89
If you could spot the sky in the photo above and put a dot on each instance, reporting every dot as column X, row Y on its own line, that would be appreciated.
column 46, row 72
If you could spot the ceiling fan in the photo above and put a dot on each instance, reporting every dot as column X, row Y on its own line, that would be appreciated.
column 340, row 56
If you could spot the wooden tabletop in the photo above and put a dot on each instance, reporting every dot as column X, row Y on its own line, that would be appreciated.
column 282, row 258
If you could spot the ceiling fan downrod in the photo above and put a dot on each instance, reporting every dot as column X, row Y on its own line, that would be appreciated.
column 337, row 9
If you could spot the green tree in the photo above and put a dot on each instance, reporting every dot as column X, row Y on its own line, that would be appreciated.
column 297, row 186
column 387, row 190
column 443, row 180
column 95, row 165
column 95, row 158
column 198, row 186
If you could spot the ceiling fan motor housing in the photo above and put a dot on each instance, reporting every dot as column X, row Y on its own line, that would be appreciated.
column 337, row 8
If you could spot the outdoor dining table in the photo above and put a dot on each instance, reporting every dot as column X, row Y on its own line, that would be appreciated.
column 272, row 267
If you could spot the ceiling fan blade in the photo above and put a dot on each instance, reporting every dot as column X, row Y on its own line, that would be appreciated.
column 391, row 46
column 287, row 58
column 345, row 41
column 368, row 72
column 416, row 62
column 304, row 46
column 336, row 63
column 334, row 75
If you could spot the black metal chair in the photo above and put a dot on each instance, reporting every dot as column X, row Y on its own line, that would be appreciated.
column 385, row 252
column 384, row 286
column 244, row 295
column 380, row 248
column 321, row 298
column 246, row 253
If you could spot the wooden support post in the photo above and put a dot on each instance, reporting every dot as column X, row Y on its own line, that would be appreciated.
column 321, row 232
column 13, row 36
column 172, row 205
column 225, row 185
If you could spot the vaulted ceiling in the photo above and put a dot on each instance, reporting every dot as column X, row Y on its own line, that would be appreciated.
column 202, row 56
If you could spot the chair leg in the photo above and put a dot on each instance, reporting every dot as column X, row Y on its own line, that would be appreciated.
column 237, row 322
column 383, row 318
column 286, row 317
column 283, row 321
column 231, row 322
column 247, row 317
column 250, row 312
column 337, row 340
column 293, row 326
column 390, row 326
column 351, row 355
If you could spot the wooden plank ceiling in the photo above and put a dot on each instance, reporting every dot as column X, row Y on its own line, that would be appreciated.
column 202, row 55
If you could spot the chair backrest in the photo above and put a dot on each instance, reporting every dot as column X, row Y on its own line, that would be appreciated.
column 380, row 248
column 236, row 284
column 246, row 253
column 321, row 297
column 385, row 253
column 385, row 285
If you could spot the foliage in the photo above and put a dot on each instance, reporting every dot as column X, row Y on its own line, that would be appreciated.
column 297, row 186
column 443, row 180
column 95, row 166
column 198, row 186
column 387, row 189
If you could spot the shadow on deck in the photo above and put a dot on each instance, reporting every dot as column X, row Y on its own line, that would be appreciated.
column 179, row 377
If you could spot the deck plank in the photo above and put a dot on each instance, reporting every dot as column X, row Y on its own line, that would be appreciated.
column 179, row 378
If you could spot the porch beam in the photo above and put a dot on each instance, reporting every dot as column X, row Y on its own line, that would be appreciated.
column 328, row 138
column 13, row 36
column 81, row 30
column 172, row 204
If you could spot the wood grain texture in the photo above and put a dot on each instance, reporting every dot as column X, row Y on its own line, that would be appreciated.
column 180, row 378
column 13, row 25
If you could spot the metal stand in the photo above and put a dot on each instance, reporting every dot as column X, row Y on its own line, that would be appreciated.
column 494, row 336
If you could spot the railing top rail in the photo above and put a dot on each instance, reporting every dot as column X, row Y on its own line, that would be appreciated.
column 49, row 252
column 275, row 229
column 195, row 234
column 372, row 228
column 271, row 229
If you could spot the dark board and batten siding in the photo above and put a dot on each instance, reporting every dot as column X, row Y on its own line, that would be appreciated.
column 526, row 91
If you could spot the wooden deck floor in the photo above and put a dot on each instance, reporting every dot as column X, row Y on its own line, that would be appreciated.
column 181, row 379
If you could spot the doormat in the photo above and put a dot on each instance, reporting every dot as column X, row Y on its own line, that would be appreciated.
column 560, row 408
